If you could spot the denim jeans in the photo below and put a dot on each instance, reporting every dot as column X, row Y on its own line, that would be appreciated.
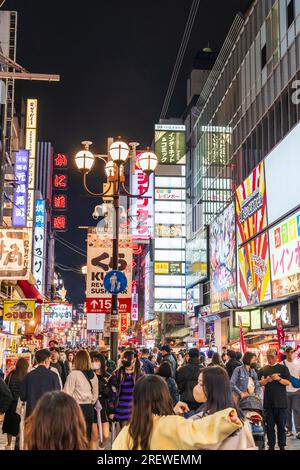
column 293, row 409
column 276, row 417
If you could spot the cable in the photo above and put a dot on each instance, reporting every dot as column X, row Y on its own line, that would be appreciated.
column 72, row 245
column 72, row 249
column 180, row 56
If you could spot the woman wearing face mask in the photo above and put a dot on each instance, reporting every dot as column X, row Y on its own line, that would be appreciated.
column 105, row 394
column 122, row 383
column 244, row 379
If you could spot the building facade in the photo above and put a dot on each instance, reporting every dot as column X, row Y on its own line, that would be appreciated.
column 248, row 106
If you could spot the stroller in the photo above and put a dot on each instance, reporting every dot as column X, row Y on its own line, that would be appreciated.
column 253, row 409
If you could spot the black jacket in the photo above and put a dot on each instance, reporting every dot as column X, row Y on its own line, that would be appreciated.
column 147, row 365
column 187, row 379
column 62, row 370
column 39, row 381
column 173, row 389
column 231, row 365
column 5, row 396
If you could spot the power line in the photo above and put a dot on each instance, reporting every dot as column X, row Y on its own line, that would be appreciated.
column 71, row 248
column 57, row 237
column 180, row 56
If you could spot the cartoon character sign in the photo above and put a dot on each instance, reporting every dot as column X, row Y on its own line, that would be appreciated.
column 223, row 259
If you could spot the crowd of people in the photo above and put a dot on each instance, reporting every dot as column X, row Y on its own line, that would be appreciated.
column 150, row 400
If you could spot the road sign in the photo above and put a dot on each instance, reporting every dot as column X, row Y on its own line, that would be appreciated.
column 115, row 282
column 104, row 305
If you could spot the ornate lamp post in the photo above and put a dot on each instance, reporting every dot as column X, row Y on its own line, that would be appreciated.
column 114, row 169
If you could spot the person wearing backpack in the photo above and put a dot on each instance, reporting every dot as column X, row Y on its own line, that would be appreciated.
column 293, row 392
column 82, row 384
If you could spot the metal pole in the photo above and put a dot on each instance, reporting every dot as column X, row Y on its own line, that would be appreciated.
column 114, row 300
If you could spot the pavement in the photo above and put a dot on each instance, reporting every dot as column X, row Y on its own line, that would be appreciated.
column 292, row 443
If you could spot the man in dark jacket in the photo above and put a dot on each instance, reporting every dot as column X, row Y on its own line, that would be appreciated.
column 187, row 379
column 146, row 364
column 232, row 363
column 58, row 365
column 5, row 397
column 39, row 381
column 167, row 355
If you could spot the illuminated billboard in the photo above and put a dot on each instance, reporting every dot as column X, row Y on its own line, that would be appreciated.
column 223, row 260
column 170, row 144
column 196, row 259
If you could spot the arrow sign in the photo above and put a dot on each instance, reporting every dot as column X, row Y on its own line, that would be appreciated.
column 94, row 303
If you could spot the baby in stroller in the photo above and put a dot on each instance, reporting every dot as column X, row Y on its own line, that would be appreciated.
column 253, row 410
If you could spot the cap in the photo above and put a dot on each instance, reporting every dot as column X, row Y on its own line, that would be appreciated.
column 290, row 349
column 166, row 347
column 272, row 353
column 104, row 349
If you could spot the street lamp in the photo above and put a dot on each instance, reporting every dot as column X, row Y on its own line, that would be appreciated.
column 114, row 169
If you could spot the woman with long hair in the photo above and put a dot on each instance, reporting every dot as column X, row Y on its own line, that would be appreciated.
column 57, row 423
column 99, row 365
column 216, row 360
column 165, row 371
column 82, row 385
column 154, row 425
column 122, row 382
column 11, row 424
column 214, row 391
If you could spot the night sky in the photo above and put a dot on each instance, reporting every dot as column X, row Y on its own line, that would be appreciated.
column 115, row 59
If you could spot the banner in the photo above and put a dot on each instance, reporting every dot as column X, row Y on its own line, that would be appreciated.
column 223, row 260
column 15, row 310
column 142, row 208
column 170, row 145
column 251, row 206
column 242, row 340
column 39, row 244
column 59, row 315
column 15, row 254
column 20, row 193
column 285, row 256
column 100, row 262
column 254, row 272
column 280, row 332
column 30, row 144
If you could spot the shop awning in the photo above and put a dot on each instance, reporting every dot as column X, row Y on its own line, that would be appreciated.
column 30, row 291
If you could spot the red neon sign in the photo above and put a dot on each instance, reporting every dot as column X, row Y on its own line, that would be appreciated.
column 60, row 201
column 60, row 161
column 60, row 181
column 59, row 222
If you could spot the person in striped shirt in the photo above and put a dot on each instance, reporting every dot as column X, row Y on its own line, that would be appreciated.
column 122, row 383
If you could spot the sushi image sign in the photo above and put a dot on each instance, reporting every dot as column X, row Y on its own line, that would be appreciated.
column 16, row 310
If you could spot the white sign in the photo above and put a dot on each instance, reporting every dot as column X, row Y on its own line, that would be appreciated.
column 134, row 304
column 179, row 307
column 282, row 169
column 15, row 254
column 39, row 245
column 59, row 315
column 95, row 321
column 142, row 208
column 30, row 144
column 169, row 127
column 100, row 262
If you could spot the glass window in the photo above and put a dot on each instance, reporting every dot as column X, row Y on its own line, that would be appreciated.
column 170, row 243
column 169, row 293
column 167, row 281
column 264, row 56
column 290, row 13
column 283, row 18
column 285, row 113
column 169, row 255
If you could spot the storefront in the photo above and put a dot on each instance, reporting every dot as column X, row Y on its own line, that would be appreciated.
column 213, row 328
column 260, row 328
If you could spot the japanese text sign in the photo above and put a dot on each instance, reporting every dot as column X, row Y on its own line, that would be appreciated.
column 20, row 192
column 15, row 310
column 39, row 244
column 285, row 256
column 170, row 147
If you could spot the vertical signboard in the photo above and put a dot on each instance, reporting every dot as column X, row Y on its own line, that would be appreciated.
column 251, row 207
column 223, row 260
column 30, row 143
column 39, row 245
column 59, row 221
column 254, row 272
column 20, row 193
column 142, row 208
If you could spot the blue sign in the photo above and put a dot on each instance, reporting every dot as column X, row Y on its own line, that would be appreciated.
column 115, row 282
column 20, row 193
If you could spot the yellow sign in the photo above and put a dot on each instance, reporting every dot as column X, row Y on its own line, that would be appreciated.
column 16, row 310
column 161, row 268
